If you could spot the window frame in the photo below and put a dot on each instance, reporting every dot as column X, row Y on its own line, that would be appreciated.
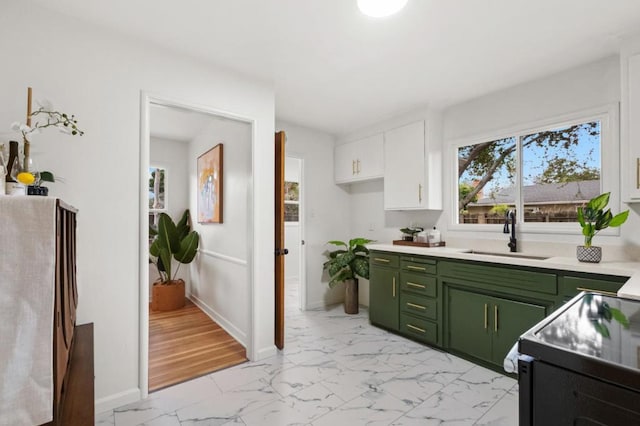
column 165, row 209
column 293, row 202
column 608, row 115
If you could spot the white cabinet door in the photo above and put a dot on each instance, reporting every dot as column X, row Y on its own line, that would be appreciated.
column 344, row 163
column 370, row 157
column 359, row 160
column 404, row 167
column 631, row 140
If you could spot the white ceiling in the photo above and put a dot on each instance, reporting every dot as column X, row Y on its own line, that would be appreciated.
column 336, row 70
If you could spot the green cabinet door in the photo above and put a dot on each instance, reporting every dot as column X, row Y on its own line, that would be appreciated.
column 383, row 297
column 509, row 319
column 468, row 319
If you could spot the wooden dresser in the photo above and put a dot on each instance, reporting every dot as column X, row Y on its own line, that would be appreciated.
column 41, row 232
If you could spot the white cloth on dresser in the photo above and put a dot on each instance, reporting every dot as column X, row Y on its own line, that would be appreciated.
column 27, row 280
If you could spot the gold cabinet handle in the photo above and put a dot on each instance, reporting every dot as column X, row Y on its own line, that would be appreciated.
column 379, row 259
column 495, row 318
column 638, row 173
column 420, row 193
column 413, row 305
column 604, row 293
column 416, row 268
column 410, row 284
column 394, row 287
column 486, row 313
column 413, row 327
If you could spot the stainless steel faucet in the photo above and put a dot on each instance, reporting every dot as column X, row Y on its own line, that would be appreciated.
column 511, row 215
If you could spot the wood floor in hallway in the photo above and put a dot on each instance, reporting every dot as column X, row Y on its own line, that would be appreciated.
column 186, row 343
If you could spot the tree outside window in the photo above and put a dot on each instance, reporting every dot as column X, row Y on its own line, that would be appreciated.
column 553, row 171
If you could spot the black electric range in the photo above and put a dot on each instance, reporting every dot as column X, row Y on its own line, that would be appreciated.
column 581, row 365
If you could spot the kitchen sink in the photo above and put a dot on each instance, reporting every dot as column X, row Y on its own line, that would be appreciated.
column 516, row 255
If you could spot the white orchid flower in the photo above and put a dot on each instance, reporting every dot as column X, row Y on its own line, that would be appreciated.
column 26, row 129
column 15, row 126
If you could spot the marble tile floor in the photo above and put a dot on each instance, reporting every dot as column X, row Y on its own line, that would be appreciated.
column 335, row 370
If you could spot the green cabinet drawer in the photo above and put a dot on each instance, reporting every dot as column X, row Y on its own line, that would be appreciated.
column 418, row 328
column 384, row 259
column 418, row 266
column 570, row 286
column 510, row 277
column 420, row 284
column 420, row 306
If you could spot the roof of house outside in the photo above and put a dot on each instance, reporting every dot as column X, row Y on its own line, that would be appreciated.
column 580, row 191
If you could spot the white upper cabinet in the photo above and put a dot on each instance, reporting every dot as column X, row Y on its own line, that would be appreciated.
column 404, row 167
column 413, row 168
column 630, row 109
column 359, row 160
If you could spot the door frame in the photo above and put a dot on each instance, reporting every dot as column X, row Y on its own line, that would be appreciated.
column 146, row 99
column 302, row 302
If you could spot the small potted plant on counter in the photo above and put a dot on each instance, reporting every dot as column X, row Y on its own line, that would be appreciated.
column 345, row 265
column 170, row 242
column 593, row 218
column 409, row 234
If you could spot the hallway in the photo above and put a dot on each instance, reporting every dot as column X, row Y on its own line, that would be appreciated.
column 185, row 344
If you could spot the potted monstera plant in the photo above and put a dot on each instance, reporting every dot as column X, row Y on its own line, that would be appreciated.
column 346, row 264
column 171, row 242
column 593, row 218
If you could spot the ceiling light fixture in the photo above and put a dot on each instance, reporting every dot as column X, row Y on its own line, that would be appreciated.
column 381, row 8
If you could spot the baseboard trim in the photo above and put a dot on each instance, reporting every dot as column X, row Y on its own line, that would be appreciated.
column 315, row 305
column 267, row 352
column 116, row 400
column 222, row 321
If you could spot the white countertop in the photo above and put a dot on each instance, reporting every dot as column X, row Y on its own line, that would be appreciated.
column 631, row 289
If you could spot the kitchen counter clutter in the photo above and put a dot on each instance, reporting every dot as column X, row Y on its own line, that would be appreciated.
column 477, row 304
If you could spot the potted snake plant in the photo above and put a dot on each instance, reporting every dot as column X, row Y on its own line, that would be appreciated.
column 346, row 264
column 593, row 218
column 171, row 242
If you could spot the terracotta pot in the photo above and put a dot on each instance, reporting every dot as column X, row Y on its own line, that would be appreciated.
column 591, row 254
column 168, row 296
column 351, row 296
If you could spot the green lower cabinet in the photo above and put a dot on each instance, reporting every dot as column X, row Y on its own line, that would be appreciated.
column 510, row 320
column 383, row 297
column 486, row 327
column 468, row 319
column 569, row 286
column 419, row 328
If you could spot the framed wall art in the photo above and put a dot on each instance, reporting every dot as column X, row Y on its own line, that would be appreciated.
column 210, row 186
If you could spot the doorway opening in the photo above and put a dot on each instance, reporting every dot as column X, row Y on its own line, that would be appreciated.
column 214, row 329
column 294, row 238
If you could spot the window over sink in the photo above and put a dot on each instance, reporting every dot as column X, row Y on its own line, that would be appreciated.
column 544, row 172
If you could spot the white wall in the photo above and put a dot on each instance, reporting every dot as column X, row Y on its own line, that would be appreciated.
column 326, row 212
column 220, row 278
column 292, row 235
column 172, row 156
column 590, row 86
column 99, row 77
